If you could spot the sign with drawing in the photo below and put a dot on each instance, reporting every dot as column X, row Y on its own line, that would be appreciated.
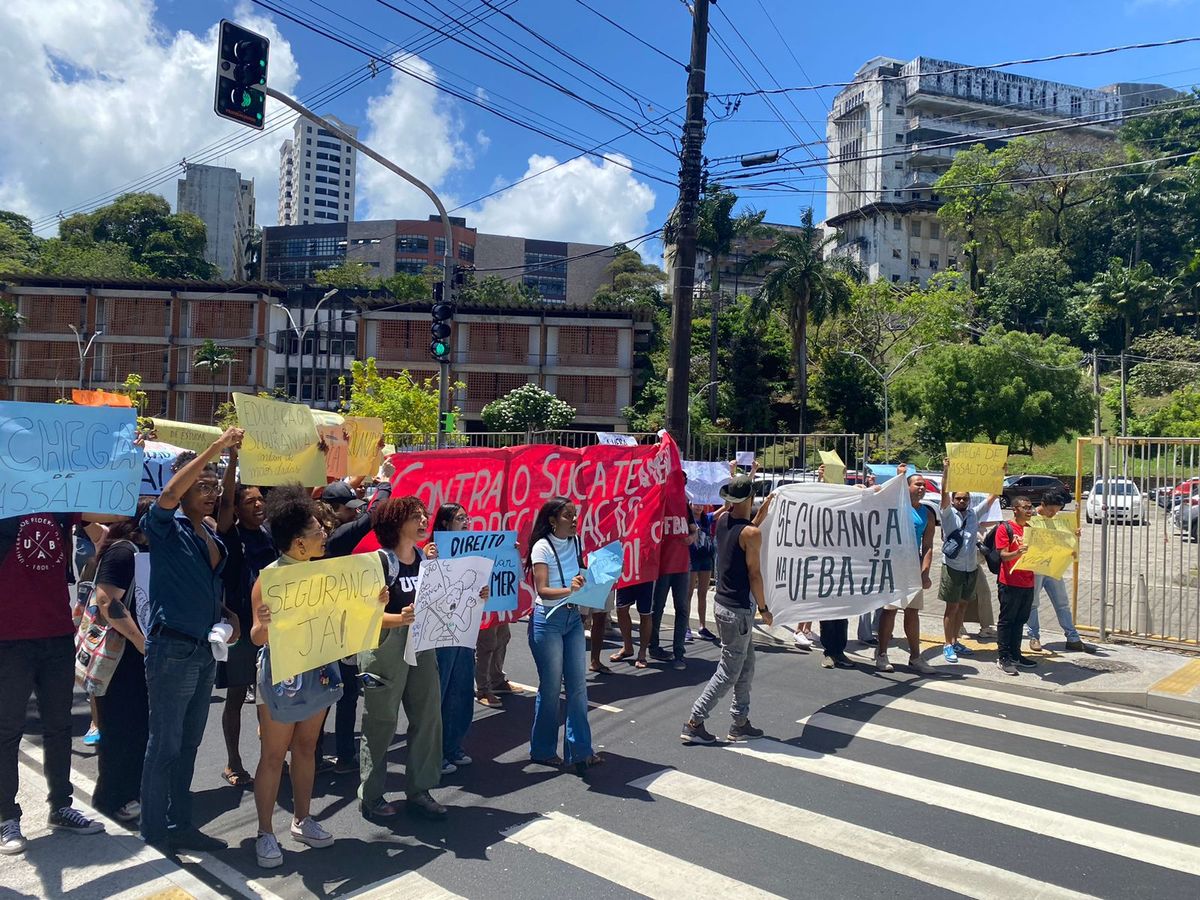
column 448, row 606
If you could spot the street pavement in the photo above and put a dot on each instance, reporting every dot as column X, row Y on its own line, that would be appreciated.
column 865, row 785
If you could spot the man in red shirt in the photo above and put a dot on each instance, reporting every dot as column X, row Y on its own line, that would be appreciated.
column 1016, row 589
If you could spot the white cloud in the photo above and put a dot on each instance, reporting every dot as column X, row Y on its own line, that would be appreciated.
column 97, row 95
column 583, row 200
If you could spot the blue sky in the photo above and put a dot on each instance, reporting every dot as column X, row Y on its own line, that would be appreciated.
column 467, row 152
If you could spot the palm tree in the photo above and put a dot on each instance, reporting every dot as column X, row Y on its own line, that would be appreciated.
column 211, row 357
column 1127, row 293
column 801, row 283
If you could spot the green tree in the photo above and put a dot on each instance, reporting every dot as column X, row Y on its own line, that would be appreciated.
column 18, row 244
column 850, row 393
column 718, row 228
column 1179, row 418
column 132, row 388
column 1123, row 294
column 526, row 408
column 10, row 319
column 349, row 274
column 81, row 258
column 1029, row 291
column 407, row 406
column 210, row 357
column 406, row 287
column 976, row 197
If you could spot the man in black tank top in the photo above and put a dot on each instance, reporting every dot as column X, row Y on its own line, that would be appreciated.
column 739, row 579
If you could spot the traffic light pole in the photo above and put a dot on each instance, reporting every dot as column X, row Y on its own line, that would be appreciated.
column 687, row 214
column 447, row 256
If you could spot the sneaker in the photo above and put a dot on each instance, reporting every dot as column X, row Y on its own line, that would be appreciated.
column 1080, row 647
column 92, row 738
column 743, row 731
column 688, row 636
column 268, row 852
column 696, row 733
column 660, row 654
column 461, row 759
column 949, row 654
column 324, row 764
column 1035, row 646
column 1026, row 663
column 987, row 633
column 425, row 806
column 448, row 768
column 345, row 766
column 843, row 662
column 915, row 662
column 68, row 819
column 962, row 650
column 1006, row 666
column 679, row 665
column 12, row 841
column 377, row 810
column 309, row 831
column 826, row 662
column 802, row 640
column 882, row 664
column 507, row 687
column 130, row 811
column 706, row 634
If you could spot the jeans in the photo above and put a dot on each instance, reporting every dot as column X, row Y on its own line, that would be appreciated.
column 1015, row 603
column 347, row 711
column 680, row 586
column 736, row 667
column 557, row 644
column 45, row 667
column 1057, row 589
column 490, row 650
column 456, row 672
column 179, row 682
column 834, row 635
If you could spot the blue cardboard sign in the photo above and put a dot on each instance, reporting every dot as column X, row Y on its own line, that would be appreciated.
column 498, row 546
column 603, row 571
column 57, row 457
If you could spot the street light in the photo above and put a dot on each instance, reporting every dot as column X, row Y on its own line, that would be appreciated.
column 884, row 379
column 688, row 432
column 301, row 334
column 84, row 350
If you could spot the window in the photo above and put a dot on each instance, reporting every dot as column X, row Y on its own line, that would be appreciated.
column 952, row 261
column 308, row 165
column 899, row 110
column 439, row 246
column 417, row 243
column 897, row 224
column 308, row 128
column 899, row 139
column 915, row 261
column 544, row 263
column 898, row 193
column 934, row 262
column 896, row 253
column 411, row 265
column 899, row 165
column 329, row 146
column 914, row 228
column 895, row 279
column 346, row 196
column 1076, row 105
column 347, row 183
column 466, row 252
column 308, row 140
column 346, row 207
column 307, row 176
column 309, row 153
column 935, row 230
column 549, row 287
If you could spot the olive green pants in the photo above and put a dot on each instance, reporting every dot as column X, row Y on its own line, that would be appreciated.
column 418, row 689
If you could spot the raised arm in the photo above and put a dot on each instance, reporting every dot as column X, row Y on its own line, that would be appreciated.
column 227, row 511
column 183, row 479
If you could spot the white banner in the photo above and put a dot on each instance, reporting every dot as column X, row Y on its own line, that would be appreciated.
column 705, row 480
column 616, row 439
column 834, row 551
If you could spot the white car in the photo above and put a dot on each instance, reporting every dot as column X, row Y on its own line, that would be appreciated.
column 1118, row 499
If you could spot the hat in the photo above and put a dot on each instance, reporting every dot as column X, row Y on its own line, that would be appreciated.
column 739, row 489
column 341, row 494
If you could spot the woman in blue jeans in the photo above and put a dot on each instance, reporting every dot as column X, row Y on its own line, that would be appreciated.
column 556, row 638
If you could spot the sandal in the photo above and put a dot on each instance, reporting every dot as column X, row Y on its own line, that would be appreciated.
column 238, row 778
column 599, row 667
column 640, row 664
column 553, row 761
column 591, row 762
column 621, row 656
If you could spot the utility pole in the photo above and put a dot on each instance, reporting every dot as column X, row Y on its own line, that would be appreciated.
column 687, row 213
column 1096, row 393
column 1124, row 423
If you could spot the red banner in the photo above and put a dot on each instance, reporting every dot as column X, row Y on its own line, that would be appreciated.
column 634, row 495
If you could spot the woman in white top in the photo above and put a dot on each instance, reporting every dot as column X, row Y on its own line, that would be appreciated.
column 556, row 638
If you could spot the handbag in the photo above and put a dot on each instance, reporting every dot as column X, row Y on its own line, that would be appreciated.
column 98, row 648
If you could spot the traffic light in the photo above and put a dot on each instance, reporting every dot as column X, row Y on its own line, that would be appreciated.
column 241, row 73
column 439, row 330
column 448, row 422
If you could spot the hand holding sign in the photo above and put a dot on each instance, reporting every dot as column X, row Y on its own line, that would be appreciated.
column 977, row 468
column 604, row 569
column 280, row 444
column 834, row 470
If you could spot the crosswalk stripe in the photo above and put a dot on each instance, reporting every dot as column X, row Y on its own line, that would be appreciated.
column 1059, row 708
column 1145, row 715
column 909, row 858
column 1163, row 798
column 630, row 864
column 1121, row 842
column 1038, row 732
column 409, row 886
column 603, row 706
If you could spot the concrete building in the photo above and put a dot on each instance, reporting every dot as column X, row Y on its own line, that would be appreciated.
column 225, row 201
column 317, row 173
column 728, row 270
column 894, row 131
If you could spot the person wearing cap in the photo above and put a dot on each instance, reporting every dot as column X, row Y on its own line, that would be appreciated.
column 739, row 582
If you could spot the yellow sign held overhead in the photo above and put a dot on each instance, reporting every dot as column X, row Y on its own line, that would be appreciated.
column 835, row 469
column 280, row 445
column 976, row 468
column 332, row 429
column 322, row 611
column 365, row 434
column 196, row 438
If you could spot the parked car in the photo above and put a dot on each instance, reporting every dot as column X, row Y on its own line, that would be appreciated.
column 1118, row 500
column 1184, row 515
column 1031, row 486
column 1169, row 498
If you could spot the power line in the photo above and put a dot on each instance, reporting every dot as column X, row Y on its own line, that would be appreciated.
column 626, row 31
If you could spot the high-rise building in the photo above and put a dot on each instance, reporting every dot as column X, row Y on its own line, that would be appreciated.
column 316, row 175
column 225, row 201
column 896, row 128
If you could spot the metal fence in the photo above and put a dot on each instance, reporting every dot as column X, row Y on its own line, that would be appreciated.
column 1138, row 571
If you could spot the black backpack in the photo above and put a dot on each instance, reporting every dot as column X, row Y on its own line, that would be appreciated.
column 990, row 553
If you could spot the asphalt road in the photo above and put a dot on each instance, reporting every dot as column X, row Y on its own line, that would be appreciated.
column 866, row 785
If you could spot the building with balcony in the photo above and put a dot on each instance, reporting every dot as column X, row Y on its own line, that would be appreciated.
column 225, row 202
column 896, row 129
column 317, row 174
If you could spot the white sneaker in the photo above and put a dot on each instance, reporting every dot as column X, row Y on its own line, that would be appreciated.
column 882, row 664
column 130, row 811
column 12, row 841
column 268, row 851
column 448, row 768
column 462, row 760
column 801, row 641
column 915, row 662
column 309, row 831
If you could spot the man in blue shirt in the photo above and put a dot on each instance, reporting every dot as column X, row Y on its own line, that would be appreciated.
column 186, row 601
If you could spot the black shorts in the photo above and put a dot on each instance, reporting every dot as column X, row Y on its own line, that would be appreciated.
column 639, row 595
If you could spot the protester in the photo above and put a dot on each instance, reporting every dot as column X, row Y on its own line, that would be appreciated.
column 456, row 665
column 400, row 523
column 187, row 560
column 960, row 561
column 597, row 628
column 738, row 579
column 85, row 569
column 240, row 523
column 1016, row 589
column 639, row 597
column 124, row 707
column 291, row 713
column 556, row 639
column 834, row 637
column 1051, row 505
column 922, row 522
column 701, row 556
column 677, row 584
column 37, row 653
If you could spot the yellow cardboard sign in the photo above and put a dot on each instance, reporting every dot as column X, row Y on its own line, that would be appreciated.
column 977, row 468
column 365, row 433
column 835, row 469
column 1051, row 548
column 280, row 446
column 196, row 438
column 332, row 430
column 322, row 611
